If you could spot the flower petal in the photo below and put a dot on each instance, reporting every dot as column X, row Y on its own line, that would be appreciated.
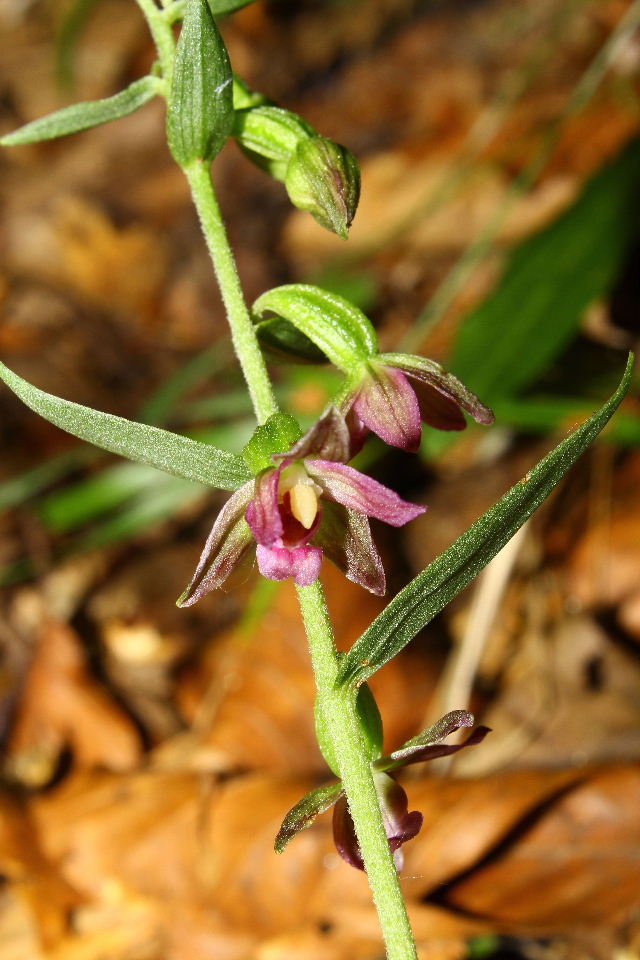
column 387, row 404
column 399, row 824
column 430, row 372
column 280, row 563
column 328, row 438
column 263, row 513
column 419, row 754
column 359, row 492
column 227, row 545
column 345, row 539
column 437, row 409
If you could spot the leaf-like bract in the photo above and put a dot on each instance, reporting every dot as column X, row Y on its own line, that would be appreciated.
column 200, row 106
column 338, row 328
column 159, row 448
column 428, row 593
column 83, row 116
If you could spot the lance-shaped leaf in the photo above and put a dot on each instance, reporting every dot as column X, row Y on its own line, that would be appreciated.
column 137, row 441
column 200, row 106
column 428, row 593
column 305, row 811
column 82, row 116
column 341, row 331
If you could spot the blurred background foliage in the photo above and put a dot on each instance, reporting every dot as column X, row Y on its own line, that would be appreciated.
column 499, row 233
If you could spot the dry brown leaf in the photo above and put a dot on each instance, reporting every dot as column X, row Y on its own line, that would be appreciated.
column 63, row 706
column 574, row 864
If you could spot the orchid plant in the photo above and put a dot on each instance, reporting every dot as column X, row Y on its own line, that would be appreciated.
column 294, row 498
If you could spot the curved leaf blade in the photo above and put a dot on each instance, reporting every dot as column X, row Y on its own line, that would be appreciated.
column 159, row 448
column 338, row 328
column 428, row 593
column 83, row 116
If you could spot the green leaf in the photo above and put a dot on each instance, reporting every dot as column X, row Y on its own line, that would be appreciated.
column 277, row 435
column 159, row 448
column 200, row 106
column 305, row 811
column 339, row 329
column 429, row 592
column 550, row 280
column 82, row 116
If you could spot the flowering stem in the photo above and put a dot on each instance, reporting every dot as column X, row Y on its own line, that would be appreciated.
column 337, row 705
column 242, row 332
column 162, row 36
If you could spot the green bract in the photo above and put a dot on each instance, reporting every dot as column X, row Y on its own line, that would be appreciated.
column 431, row 590
column 339, row 330
column 200, row 104
column 83, row 116
column 275, row 436
column 138, row 441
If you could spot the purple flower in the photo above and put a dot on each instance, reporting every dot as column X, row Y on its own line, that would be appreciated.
column 400, row 824
column 309, row 504
column 399, row 391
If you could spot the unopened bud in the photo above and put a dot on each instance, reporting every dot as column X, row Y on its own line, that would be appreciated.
column 269, row 136
column 324, row 178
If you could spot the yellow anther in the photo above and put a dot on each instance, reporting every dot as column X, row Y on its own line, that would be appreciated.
column 304, row 503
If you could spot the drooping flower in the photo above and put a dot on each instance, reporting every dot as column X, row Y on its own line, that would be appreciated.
column 310, row 504
column 398, row 391
column 400, row 824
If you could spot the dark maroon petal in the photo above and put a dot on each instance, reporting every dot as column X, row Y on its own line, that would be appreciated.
column 399, row 824
column 421, row 754
column 437, row 409
column 263, row 513
column 328, row 438
column 434, row 374
column 305, row 811
column 344, row 835
column 226, row 547
column 281, row 563
column 387, row 405
column 359, row 492
column 345, row 539
column 358, row 433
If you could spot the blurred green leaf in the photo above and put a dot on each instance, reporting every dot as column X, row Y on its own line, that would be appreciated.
column 428, row 593
column 550, row 280
column 82, row 116
column 71, row 26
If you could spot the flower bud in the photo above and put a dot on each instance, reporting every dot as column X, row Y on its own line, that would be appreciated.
column 324, row 178
column 269, row 136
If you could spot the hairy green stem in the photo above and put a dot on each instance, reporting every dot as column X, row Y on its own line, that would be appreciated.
column 242, row 331
column 162, row 36
column 338, row 709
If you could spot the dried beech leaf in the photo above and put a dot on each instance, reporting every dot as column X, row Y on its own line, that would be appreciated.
column 63, row 706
